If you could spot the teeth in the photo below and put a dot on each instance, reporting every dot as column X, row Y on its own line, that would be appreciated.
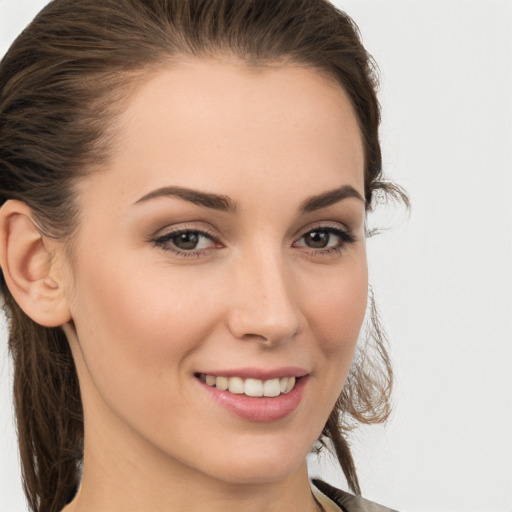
column 236, row 385
column 250, row 387
column 291, row 383
column 222, row 383
column 271, row 388
column 253, row 387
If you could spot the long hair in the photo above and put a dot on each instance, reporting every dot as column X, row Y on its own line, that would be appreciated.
column 62, row 84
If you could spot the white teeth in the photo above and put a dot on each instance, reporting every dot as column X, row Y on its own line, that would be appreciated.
column 250, row 387
column 291, row 383
column 222, row 383
column 271, row 388
column 236, row 385
column 253, row 387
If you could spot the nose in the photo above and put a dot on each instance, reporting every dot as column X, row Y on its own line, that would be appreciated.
column 263, row 306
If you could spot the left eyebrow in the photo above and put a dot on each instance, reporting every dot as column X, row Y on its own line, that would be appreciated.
column 329, row 198
column 208, row 200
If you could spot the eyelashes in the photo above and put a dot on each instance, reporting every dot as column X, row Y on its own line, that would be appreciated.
column 322, row 240
column 326, row 239
column 188, row 242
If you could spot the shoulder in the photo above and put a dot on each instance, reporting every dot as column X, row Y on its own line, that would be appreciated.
column 348, row 502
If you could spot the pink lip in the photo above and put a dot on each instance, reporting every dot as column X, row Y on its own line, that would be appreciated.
column 262, row 409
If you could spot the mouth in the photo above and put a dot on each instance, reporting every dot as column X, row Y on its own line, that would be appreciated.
column 272, row 397
column 255, row 388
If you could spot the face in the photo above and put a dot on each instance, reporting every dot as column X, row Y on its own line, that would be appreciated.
column 222, row 246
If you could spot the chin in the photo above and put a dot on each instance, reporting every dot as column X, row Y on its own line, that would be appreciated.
column 252, row 474
column 263, row 464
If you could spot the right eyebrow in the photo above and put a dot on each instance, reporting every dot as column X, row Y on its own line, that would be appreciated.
column 206, row 199
column 330, row 197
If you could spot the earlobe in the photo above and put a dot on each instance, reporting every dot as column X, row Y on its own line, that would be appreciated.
column 29, row 268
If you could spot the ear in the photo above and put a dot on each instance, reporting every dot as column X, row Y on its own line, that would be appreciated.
column 30, row 270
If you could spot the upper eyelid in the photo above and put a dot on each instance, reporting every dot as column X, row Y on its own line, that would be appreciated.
column 212, row 233
column 346, row 234
column 170, row 231
column 327, row 228
column 333, row 225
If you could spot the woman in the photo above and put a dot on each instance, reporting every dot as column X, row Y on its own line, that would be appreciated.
column 185, row 187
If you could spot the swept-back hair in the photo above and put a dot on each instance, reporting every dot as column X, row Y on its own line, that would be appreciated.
column 62, row 84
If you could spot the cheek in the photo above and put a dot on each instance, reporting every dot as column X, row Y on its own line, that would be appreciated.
column 336, row 313
column 139, row 319
column 335, row 316
column 336, row 308
column 136, row 334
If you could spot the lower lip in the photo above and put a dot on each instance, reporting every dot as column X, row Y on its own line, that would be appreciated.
column 262, row 409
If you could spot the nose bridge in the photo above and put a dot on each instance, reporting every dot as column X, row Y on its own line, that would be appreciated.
column 263, row 306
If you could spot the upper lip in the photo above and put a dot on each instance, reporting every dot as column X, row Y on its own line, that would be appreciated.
column 259, row 373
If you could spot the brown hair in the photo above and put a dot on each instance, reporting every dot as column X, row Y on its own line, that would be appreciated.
column 61, row 84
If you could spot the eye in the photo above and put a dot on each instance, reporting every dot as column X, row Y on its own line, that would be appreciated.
column 190, row 240
column 318, row 239
column 186, row 241
column 325, row 239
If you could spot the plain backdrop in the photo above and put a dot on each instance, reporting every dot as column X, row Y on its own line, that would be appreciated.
column 442, row 276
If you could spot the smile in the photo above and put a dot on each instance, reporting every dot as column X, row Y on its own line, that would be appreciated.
column 250, row 387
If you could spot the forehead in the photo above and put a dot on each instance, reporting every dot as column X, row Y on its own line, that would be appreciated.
column 213, row 123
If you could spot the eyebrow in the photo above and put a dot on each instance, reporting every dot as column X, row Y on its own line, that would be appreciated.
column 208, row 200
column 225, row 204
column 329, row 198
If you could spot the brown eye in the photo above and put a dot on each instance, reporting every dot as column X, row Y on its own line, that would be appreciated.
column 325, row 239
column 187, row 241
column 317, row 239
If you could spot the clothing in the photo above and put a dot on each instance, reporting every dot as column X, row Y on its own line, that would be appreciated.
column 348, row 502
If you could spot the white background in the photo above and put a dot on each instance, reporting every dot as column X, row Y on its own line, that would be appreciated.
column 443, row 277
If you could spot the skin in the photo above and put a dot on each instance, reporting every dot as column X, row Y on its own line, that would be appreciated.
column 144, row 320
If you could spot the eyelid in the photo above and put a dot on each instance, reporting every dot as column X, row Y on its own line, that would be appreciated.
column 188, row 226
column 325, row 225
